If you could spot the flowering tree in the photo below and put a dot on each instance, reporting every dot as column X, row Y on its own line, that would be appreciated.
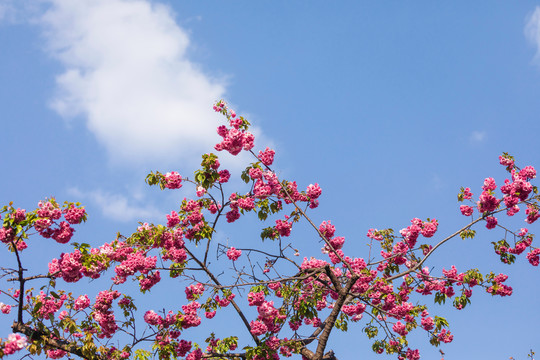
column 286, row 306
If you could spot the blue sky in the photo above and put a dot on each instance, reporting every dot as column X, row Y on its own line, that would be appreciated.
column 390, row 106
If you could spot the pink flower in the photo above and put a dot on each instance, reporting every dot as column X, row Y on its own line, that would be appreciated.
column 509, row 163
column 466, row 210
column 224, row 176
column 233, row 254
column 256, row 299
column 173, row 180
column 489, row 184
column 371, row 234
column 428, row 323
column 283, row 227
column 6, row 309
column 62, row 314
column 19, row 215
column 200, row 191
column 527, row 173
column 63, row 234
column 429, row 228
column 246, row 203
column 533, row 257
column 15, row 342
column 445, row 336
column 232, row 215
column 491, row 222
column 532, row 214
column 173, row 219
column 413, row 354
column 267, row 157
column 74, row 215
column 314, row 191
column 400, row 328
column 327, row 229
column 487, row 202
column 195, row 355
column 255, row 173
column 183, row 347
column 56, row 353
column 258, row 328
column 192, row 291
column 151, row 318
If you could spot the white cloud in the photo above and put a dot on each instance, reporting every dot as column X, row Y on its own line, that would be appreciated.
column 3, row 11
column 532, row 30
column 127, row 74
column 117, row 207
column 7, row 11
column 478, row 136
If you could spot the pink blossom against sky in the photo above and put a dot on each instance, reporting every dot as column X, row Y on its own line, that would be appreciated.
column 389, row 107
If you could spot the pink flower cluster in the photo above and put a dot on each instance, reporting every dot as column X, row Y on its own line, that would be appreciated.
column 269, row 319
column 190, row 318
column 532, row 214
column 48, row 212
column 224, row 176
column 4, row 308
column 183, row 347
column 534, row 257
column 262, row 189
column 234, row 139
column 411, row 233
column 70, row 268
column 233, row 254
column 6, row 235
column 74, row 215
column 354, row 310
column 292, row 194
column 498, row 288
column 147, row 282
column 151, row 318
column 506, row 161
column 82, row 302
column 19, row 215
column 172, row 180
column 14, row 343
column 56, row 354
column 103, row 313
column 49, row 304
column 314, row 191
column 133, row 263
column 487, row 202
column 49, row 209
column 283, row 227
column 466, row 210
column 327, row 229
column 267, row 156
column 193, row 291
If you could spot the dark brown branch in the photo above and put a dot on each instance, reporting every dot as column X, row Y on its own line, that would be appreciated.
column 34, row 335
column 32, row 278
column 331, row 319
column 235, row 305
column 333, row 278
column 226, row 355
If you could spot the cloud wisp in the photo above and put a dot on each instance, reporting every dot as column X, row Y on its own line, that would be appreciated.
column 117, row 207
column 477, row 137
column 532, row 31
column 127, row 74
